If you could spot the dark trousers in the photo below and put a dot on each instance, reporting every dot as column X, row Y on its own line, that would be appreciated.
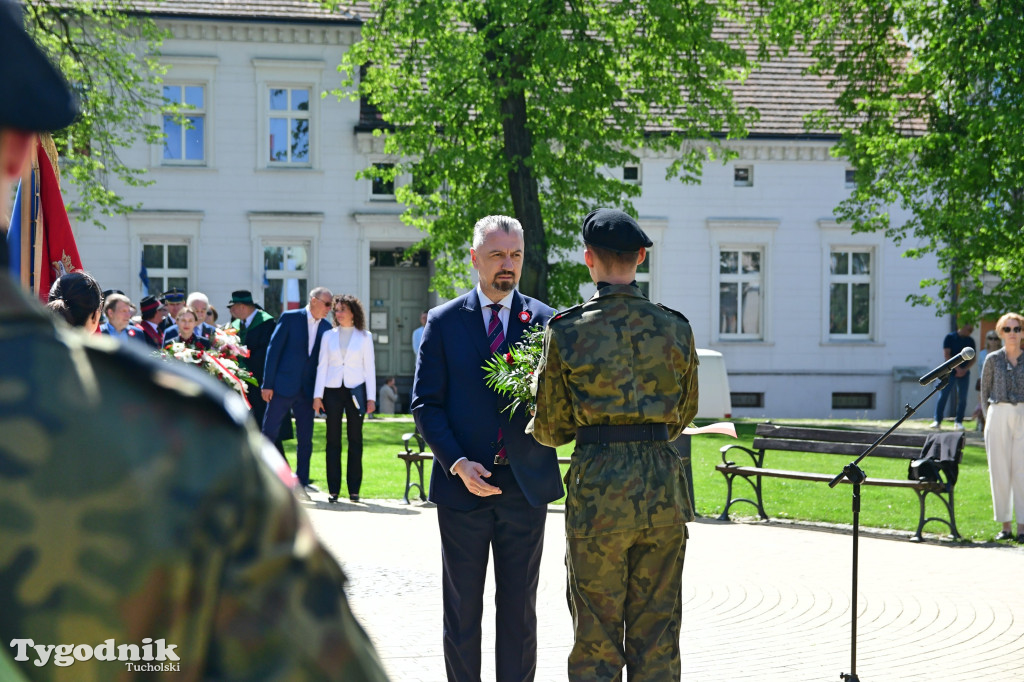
column 338, row 401
column 302, row 408
column 259, row 409
column 513, row 530
column 962, row 386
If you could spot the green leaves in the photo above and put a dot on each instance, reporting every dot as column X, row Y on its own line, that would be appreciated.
column 931, row 104
column 109, row 53
column 530, row 107
column 512, row 374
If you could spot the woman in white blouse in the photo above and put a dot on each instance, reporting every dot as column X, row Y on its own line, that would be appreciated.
column 345, row 384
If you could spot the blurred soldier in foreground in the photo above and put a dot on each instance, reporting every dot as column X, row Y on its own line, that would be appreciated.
column 110, row 550
column 619, row 374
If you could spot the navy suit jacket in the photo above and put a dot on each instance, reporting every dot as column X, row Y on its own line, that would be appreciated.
column 290, row 369
column 459, row 416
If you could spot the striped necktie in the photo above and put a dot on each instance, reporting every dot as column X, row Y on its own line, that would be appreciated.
column 496, row 337
column 495, row 333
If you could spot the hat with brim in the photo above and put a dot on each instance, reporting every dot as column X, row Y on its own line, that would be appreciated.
column 243, row 296
column 150, row 304
column 174, row 295
column 35, row 96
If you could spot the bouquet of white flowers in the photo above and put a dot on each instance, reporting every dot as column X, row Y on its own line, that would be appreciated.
column 221, row 360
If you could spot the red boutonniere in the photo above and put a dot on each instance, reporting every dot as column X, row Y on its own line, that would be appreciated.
column 525, row 316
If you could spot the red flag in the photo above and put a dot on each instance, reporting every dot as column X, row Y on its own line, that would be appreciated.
column 55, row 252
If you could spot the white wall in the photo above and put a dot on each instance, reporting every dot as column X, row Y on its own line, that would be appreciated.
column 222, row 207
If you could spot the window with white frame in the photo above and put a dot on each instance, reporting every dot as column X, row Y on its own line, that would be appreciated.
column 742, row 278
column 740, row 286
column 185, row 132
column 382, row 187
column 285, row 276
column 851, row 272
column 643, row 275
column 166, row 265
column 288, row 125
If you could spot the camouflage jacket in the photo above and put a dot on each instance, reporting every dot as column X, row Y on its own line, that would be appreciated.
column 107, row 533
column 618, row 359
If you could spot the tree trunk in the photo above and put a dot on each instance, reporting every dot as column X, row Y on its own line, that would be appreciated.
column 525, row 194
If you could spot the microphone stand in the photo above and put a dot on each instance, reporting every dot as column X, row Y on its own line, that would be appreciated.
column 856, row 476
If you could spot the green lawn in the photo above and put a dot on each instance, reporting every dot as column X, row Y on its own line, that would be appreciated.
column 384, row 478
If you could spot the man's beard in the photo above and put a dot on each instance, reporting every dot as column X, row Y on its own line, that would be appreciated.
column 504, row 286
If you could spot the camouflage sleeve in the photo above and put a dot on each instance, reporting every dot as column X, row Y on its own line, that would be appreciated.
column 687, row 405
column 282, row 613
column 553, row 423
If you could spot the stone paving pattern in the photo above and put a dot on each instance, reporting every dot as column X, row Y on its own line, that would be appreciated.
column 761, row 601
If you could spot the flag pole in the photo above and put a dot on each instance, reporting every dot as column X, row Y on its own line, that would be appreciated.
column 38, row 227
column 26, row 224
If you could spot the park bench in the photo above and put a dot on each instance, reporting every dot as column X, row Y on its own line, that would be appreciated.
column 849, row 444
column 414, row 454
column 414, row 457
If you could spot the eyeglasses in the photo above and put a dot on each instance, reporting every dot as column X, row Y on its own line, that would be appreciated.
column 1011, row 330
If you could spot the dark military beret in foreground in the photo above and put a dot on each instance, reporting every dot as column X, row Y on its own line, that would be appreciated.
column 613, row 229
column 149, row 304
column 33, row 94
column 173, row 295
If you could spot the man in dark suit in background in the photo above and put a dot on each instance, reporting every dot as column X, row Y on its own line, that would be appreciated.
column 254, row 327
column 289, row 374
column 491, row 482
column 153, row 315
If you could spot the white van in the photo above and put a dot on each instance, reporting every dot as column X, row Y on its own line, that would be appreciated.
column 714, row 402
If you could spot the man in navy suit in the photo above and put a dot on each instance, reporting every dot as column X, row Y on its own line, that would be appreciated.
column 290, row 374
column 490, row 480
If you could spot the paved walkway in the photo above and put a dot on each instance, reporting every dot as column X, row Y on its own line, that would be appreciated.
column 760, row 601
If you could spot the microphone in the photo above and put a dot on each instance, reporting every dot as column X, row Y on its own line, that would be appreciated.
column 943, row 370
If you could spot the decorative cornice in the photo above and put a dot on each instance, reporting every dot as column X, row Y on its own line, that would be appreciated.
column 386, row 227
column 762, row 150
column 368, row 143
column 231, row 31
column 742, row 223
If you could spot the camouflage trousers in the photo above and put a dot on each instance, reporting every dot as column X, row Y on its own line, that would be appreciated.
column 625, row 596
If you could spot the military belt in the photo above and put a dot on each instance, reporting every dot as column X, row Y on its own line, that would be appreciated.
column 621, row 433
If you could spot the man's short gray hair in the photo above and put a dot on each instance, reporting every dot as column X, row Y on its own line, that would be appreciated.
column 197, row 296
column 318, row 292
column 495, row 222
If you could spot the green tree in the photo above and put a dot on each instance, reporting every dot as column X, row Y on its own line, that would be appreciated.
column 521, row 107
column 931, row 115
column 109, row 52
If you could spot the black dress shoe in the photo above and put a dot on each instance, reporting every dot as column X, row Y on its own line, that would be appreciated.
column 1004, row 535
column 1019, row 539
column 332, row 498
column 354, row 498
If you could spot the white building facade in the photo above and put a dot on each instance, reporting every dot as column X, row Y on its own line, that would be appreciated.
column 259, row 192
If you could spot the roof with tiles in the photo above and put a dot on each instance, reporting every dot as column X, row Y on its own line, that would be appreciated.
column 261, row 10
column 780, row 89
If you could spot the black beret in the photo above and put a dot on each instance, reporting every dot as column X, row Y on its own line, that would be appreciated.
column 612, row 229
column 35, row 97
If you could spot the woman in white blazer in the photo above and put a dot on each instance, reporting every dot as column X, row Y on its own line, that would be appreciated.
column 345, row 384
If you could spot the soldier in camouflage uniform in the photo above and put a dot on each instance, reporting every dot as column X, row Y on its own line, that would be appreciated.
column 102, row 538
column 619, row 375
